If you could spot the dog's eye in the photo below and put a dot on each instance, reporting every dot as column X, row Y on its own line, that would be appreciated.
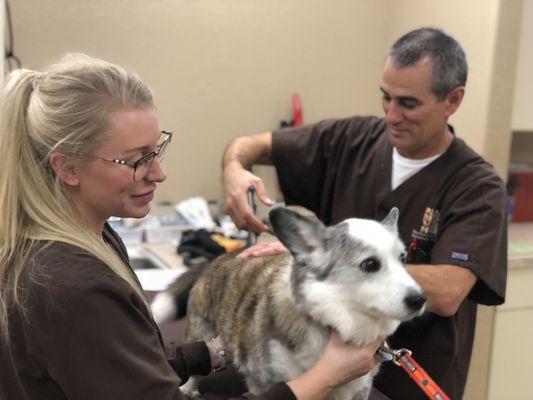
column 403, row 257
column 370, row 265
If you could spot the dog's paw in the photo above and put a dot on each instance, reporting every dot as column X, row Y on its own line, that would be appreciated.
column 190, row 393
column 190, row 388
column 163, row 308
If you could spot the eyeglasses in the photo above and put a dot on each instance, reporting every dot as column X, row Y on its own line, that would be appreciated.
column 141, row 167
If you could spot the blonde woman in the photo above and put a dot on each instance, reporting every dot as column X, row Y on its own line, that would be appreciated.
column 81, row 142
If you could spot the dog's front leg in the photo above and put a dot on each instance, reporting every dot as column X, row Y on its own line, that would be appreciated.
column 190, row 388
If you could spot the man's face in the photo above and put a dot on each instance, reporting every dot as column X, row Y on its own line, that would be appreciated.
column 416, row 119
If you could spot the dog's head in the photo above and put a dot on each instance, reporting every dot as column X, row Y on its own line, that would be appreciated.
column 354, row 267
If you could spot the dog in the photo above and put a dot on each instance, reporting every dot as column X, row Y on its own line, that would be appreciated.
column 275, row 313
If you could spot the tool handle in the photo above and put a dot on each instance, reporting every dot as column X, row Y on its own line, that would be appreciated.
column 252, row 237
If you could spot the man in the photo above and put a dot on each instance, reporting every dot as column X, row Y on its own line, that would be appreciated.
column 452, row 203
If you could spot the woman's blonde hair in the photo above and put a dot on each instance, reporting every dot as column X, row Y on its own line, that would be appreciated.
column 64, row 109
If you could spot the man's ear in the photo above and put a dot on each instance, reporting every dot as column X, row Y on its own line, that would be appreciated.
column 65, row 168
column 453, row 100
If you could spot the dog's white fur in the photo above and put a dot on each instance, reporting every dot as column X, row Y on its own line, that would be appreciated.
column 163, row 308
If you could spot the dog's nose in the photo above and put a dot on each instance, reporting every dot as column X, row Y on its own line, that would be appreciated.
column 415, row 300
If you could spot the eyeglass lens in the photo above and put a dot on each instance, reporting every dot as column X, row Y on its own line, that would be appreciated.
column 145, row 163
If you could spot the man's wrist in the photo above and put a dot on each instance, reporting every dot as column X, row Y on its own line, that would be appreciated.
column 234, row 164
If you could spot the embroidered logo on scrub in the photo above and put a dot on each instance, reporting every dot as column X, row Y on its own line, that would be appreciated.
column 430, row 222
column 422, row 241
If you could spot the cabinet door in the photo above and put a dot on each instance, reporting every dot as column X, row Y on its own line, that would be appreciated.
column 512, row 361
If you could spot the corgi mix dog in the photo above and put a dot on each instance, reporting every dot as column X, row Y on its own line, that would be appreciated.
column 275, row 313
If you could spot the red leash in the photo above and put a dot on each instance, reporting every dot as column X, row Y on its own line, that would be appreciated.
column 402, row 357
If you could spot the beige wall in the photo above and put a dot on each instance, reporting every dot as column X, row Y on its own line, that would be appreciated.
column 220, row 69
column 522, row 120
column 2, row 22
column 497, row 143
column 523, row 107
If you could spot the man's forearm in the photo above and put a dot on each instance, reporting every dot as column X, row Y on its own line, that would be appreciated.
column 446, row 286
column 249, row 150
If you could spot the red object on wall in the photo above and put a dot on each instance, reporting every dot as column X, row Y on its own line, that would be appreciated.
column 521, row 194
column 297, row 117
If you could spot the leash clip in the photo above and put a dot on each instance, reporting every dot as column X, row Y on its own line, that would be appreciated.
column 388, row 354
column 399, row 354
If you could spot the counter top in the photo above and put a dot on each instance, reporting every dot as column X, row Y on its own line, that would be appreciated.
column 167, row 252
column 520, row 250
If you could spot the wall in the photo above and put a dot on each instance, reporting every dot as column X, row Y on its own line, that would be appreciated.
column 220, row 69
column 504, row 64
column 522, row 120
column 522, row 113
column 2, row 25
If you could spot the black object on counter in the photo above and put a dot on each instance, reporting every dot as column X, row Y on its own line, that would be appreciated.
column 197, row 247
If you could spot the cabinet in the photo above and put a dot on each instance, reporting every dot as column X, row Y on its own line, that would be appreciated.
column 512, row 354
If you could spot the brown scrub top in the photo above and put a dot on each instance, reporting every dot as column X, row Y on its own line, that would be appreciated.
column 87, row 335
column 451, row 212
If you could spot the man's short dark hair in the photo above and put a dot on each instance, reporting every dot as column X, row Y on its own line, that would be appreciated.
column 450, row 68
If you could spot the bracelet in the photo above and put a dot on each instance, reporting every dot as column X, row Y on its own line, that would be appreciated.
column 220, row 351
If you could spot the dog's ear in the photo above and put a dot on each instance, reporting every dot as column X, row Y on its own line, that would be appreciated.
column 391, row 221
column 301, row 235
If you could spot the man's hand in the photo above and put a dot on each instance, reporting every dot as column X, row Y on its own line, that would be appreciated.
column 236, row 181
column 264, row 249
column 240, row 155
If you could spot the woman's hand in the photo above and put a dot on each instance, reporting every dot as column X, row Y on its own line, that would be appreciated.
column 264, row 249
column 344, row 361
column 339, row 363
